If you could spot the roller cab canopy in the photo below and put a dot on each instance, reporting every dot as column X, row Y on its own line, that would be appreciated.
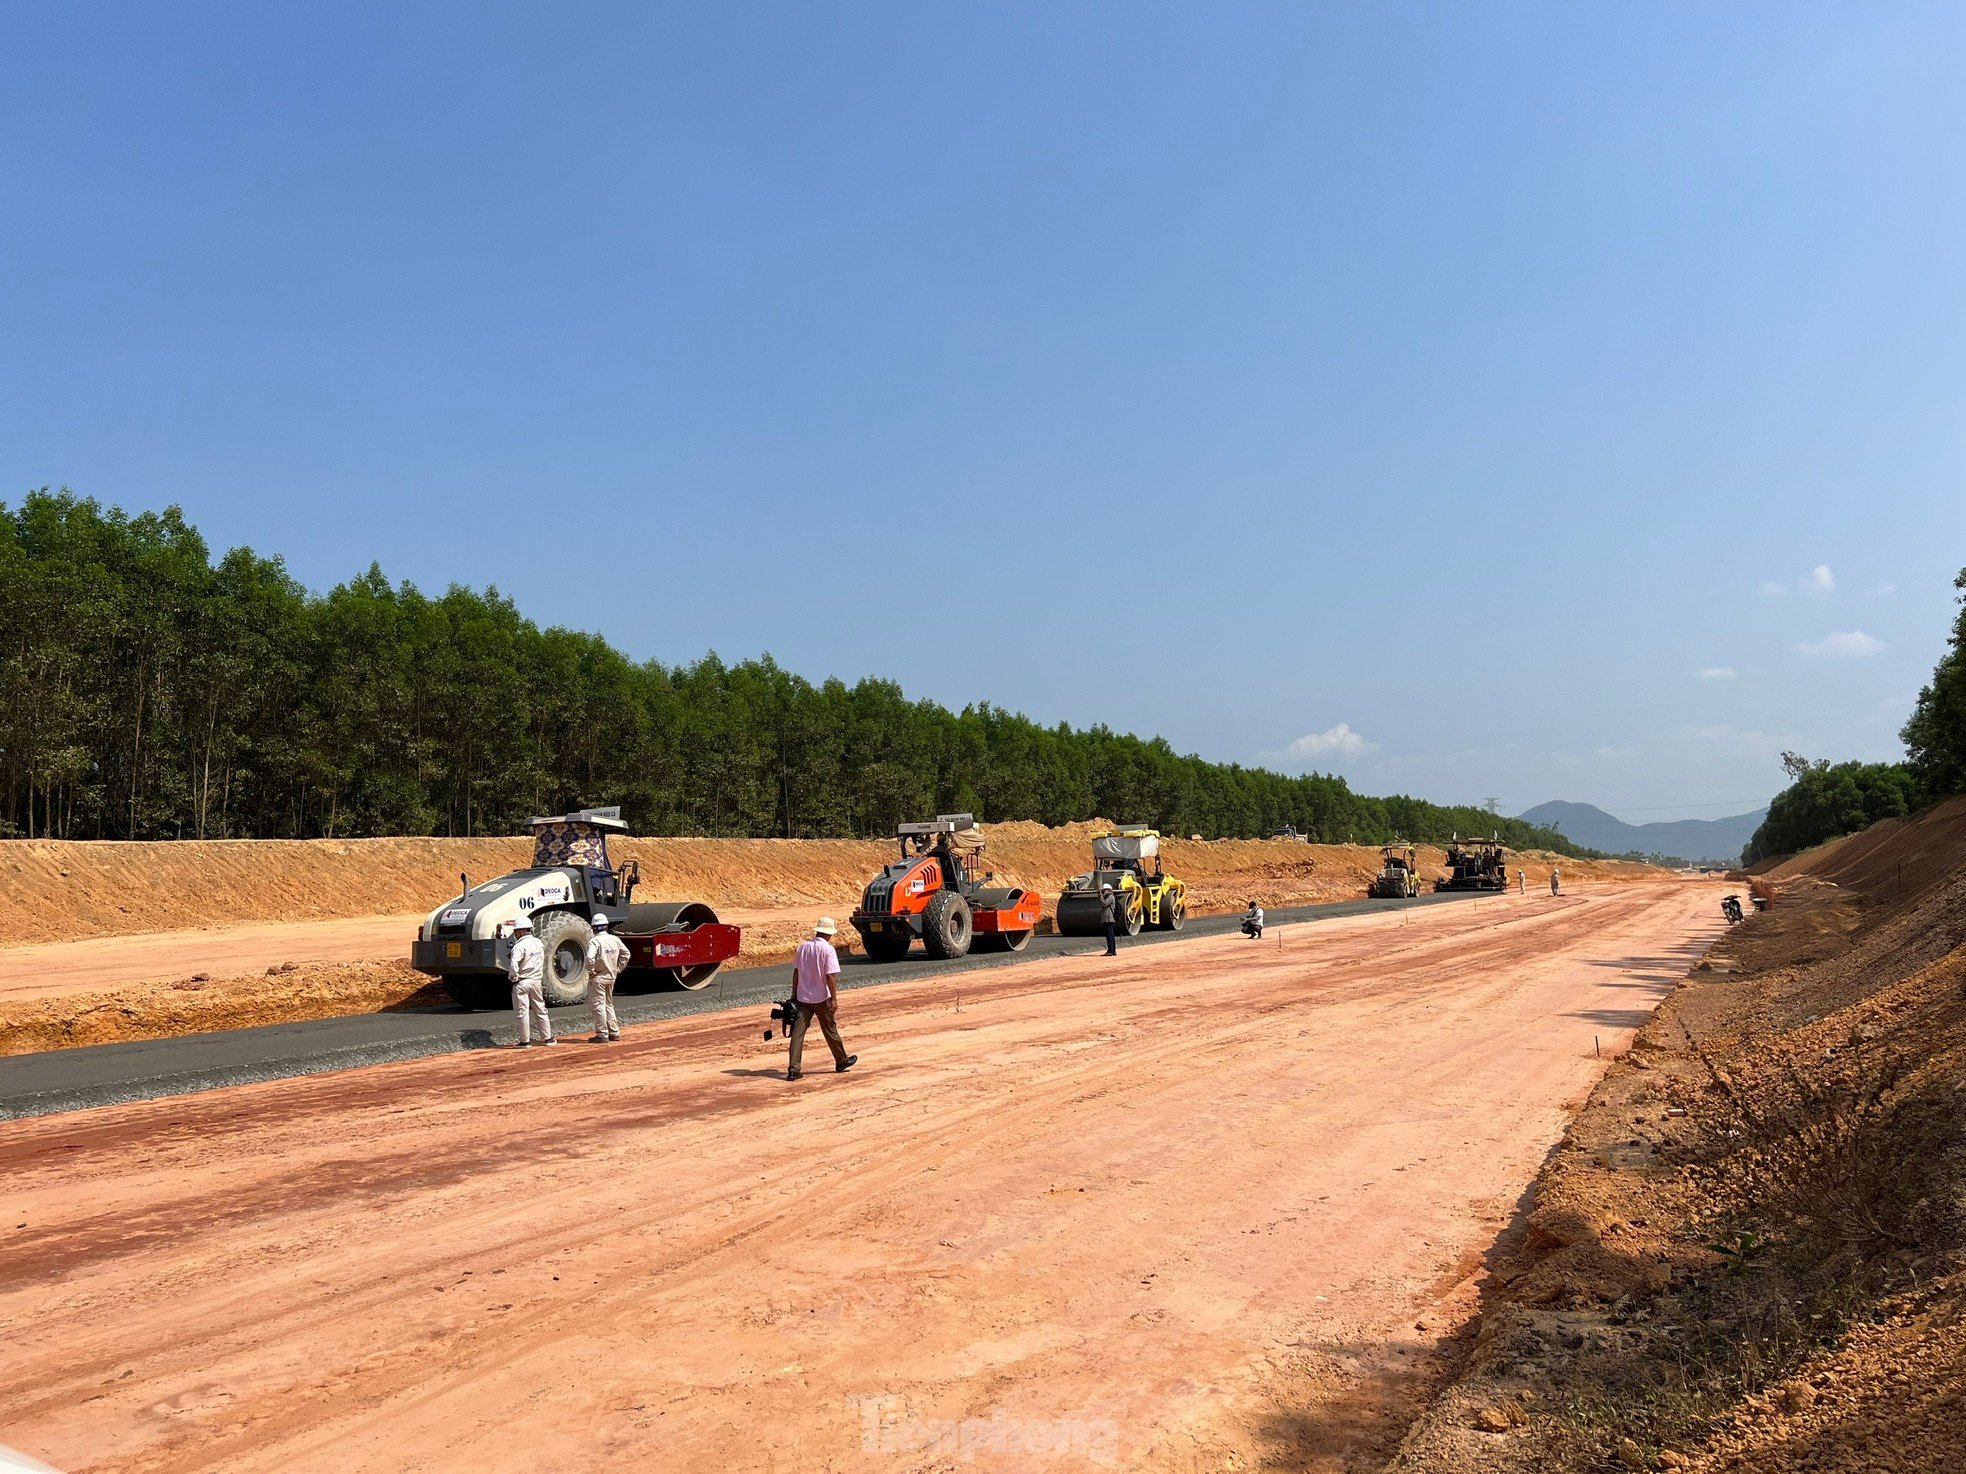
column 579, row 838
column 960, row 832
column 1136, row 843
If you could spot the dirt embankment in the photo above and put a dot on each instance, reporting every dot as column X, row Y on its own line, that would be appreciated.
column 149, row 940
column 1749, row 1254
column 1898, row 859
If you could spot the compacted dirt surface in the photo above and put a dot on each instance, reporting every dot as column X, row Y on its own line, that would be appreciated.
column 1213, row 1204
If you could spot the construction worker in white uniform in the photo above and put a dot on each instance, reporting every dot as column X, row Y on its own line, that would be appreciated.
column 607, row 955
column 527, row 969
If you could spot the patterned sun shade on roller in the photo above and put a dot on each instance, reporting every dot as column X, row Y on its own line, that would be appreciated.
column 1126, row 846
column 570, row 843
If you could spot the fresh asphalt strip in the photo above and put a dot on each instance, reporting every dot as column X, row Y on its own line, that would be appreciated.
column 108, row 1074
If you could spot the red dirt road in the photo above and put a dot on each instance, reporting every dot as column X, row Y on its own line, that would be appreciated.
column 1166, row 1211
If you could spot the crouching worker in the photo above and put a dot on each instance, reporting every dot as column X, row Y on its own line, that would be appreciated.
column 527, row 969
column 1252, row 921
column 815, row 974
column 607, row 955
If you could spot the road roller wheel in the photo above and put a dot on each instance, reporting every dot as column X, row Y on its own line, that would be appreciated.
column 658, row 916
column 946, row 925
column 479, row 993
column 884, row 948
column 564, row 935
column 1077, row 915
column 689, row 979
column 1173, row 911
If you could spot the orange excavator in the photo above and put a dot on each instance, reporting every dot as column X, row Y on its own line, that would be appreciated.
column 934, row 892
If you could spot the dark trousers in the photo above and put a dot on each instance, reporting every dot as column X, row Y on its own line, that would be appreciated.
column 1112, row 943
column 828, row 1025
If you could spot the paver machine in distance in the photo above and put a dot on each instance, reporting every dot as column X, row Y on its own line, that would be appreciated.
column 1127, row 859
column 936, row 892
column 1475, row 865
column 468, row 941
column 1399, row 873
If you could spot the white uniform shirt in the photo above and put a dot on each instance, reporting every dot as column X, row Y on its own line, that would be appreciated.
column 607, row 954
column 528, row 961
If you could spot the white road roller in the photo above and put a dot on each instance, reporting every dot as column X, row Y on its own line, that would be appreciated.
column 467, row 941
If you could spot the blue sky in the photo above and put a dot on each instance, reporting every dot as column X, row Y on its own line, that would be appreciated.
column 1426, row 393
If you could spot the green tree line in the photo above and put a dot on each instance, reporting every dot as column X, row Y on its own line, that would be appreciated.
column 1825, row 800
column 152, row 692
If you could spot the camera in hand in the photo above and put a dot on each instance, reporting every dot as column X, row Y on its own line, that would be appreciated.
column 784, row 1015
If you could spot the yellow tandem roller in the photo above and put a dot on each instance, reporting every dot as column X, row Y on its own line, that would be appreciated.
column 1127, row 859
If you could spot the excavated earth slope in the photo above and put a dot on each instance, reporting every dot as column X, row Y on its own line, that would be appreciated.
column 1749, row 1253
column 1898, row 859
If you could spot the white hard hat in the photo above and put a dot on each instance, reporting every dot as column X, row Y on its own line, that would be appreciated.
column 1105, row 885
column 826, row 928
column 524, row 923
column 600, row 920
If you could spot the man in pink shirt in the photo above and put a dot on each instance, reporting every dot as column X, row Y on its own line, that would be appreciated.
column 815, row 973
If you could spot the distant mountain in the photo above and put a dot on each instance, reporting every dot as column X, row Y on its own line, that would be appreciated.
column 1688, row 839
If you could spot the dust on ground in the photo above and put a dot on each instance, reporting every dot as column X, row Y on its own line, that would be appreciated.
column 1749, row 1252
column 116, row 941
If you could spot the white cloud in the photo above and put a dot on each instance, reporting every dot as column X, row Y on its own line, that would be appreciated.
column 1772, row 590
column 1884, row 590
column 1711, row 734
column 1821, row 580
column 1338, row 741
column 1716, row 673
column 1612, row 754
column 1844, row 645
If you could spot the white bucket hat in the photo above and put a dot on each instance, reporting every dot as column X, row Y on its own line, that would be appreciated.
column 825, row 928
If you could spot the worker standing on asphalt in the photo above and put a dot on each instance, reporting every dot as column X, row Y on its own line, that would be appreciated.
column 1556, row 884
column 527, row 969
column 1252, row 921
column 815, row 988
column 607, row 955
column 1109, row 913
